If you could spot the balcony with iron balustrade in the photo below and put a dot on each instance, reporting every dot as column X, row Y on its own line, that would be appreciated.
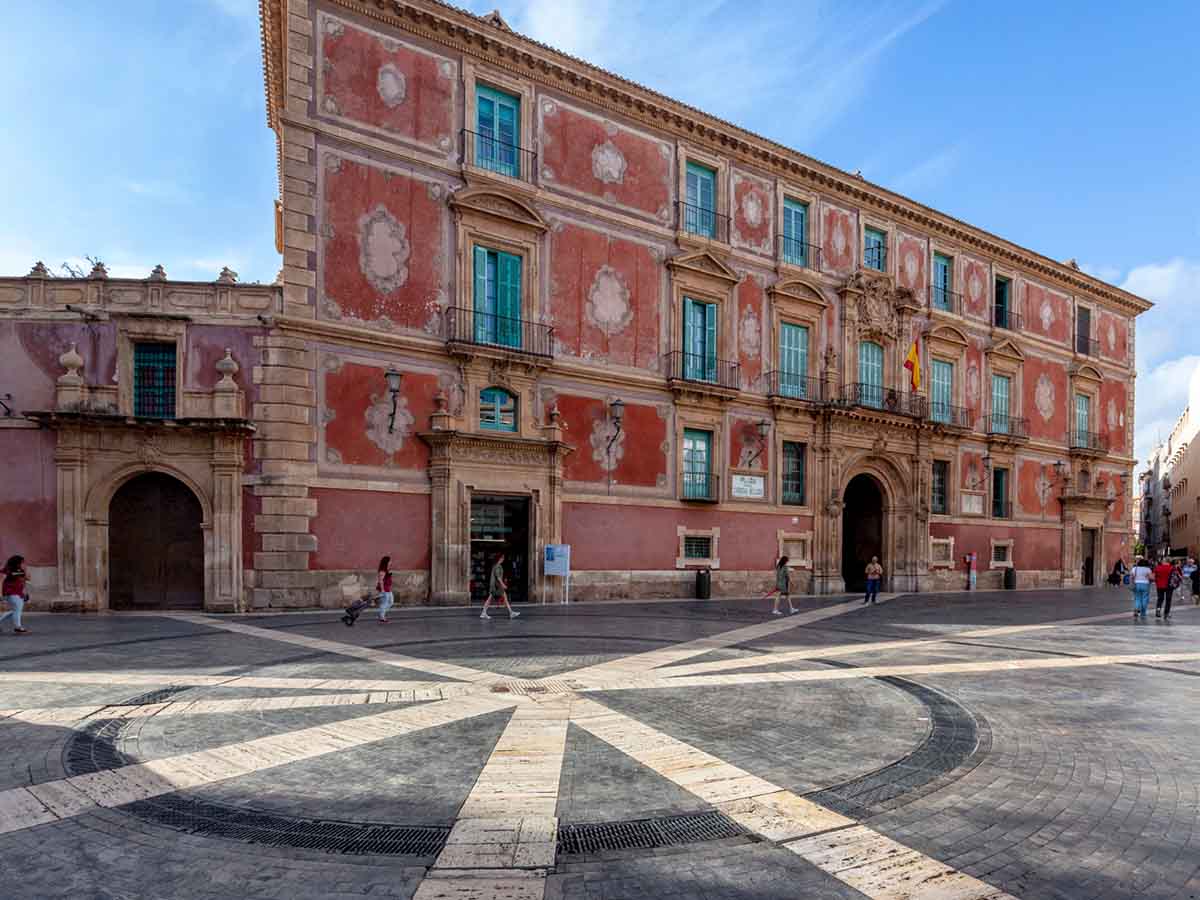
column 795, row 252
column 699, row 487
column 859, row 395
column 1005, row 317
column 700, row 374
column 790, row 389
column 700, row 222
column 949, row 416
column 1006, row 429
column 1087, row 443
column 492, row 156
column 1087, row 346
column 472, row 333
column 944, row 300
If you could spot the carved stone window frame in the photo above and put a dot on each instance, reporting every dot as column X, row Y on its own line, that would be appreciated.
column 805, row 538
column 697, row 419
column 1010, row 275
column 994, row 563
column 159, row 329
column 867, row 220
column 947, row 343
column 721, row 184
column 474, row 75
column 1006, row 358
column 705, row 277
column 797, row 302
column 1087, row 380
column 793, row 432
column 950, row 458
column 714, row 559
column 787, row 191
column 934, row 562
column 939, row 247
column 1093, row 310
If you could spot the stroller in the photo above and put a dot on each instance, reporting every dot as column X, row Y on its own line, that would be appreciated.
column 355, row 609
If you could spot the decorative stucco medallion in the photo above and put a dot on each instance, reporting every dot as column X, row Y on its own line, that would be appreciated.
column 1047, row 315
column 330, row 105
column 975, row 287
column 333, row 28
column 972, row 384
column 549, row 108
column 383, row 250
column 608, row 163
column 752, row 209
column 911, row 267
column 391, row 85
column 608, row 305
column 378, row 415
column 1043, row 397
column 446, row 68
column 1110, row 413
column 1044, row 487
column 1111, row 334
column 607, row 458
column 749, row 334
column 838, row 238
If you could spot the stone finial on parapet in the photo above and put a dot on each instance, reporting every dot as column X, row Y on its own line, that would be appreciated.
column 553, row 428
column 158, row 273
column 227, row 399
column 227, row 276
column 39, row 270
column 99, row 270
column 69, row 392
column 440, row 419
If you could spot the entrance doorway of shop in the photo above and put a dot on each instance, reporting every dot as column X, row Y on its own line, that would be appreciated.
column 155, row 545
column 862, row 530
column 1088, row 556
column 500, row 525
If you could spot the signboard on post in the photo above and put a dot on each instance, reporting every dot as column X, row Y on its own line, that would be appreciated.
column 557, row 561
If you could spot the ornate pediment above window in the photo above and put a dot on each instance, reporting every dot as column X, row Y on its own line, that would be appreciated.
column 703, row 265
column 947, row 340
column 497, row 204
column 1005, row 351
column 876, row 305
column 798, row 294
column 1086, row 375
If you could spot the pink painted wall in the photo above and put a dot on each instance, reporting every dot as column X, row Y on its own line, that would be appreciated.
column 29, row 353
column 976, row 395
column 604, row 297
column 383, row 83
column 839, row 250
column 355, row 528
column 1046, row 398
column 28, row 523
column 1037, row 495
column 386, row 250
column 357, row 398
column 744, row 443
column 1047, row 313
column 752, row 355
column 605, row 161
column 753, row 213
column 911, row 264
column 639, row 454
column 1033, row 548
column 975, row 287
column 1113, row 333
column 251, row 540
column 206, row 345
column 1110, row 417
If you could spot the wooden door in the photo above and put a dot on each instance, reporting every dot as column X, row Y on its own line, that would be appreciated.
column 155, row 545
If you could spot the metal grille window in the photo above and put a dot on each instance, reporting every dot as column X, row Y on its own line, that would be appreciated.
column 154, row 380
column 697, row 547
column 941, row 478
column 793, row 473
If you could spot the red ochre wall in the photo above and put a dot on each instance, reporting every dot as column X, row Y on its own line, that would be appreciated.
column 355, row 528
column 29, row 510
column 1033, row 548
column 641, row 460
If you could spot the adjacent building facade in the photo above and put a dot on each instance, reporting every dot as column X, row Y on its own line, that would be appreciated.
column 1170, row 486
column 526, row 302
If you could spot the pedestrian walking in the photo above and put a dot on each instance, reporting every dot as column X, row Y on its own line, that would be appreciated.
column 1189, row 577
column 498, row 590
column 14, row 592
column 874, row 574
column 1162, row 581
column 783, row 587
column 1173, row 582
column 1117, row 574
column 1142, row 576
column 383, row 586
column 1195, row 581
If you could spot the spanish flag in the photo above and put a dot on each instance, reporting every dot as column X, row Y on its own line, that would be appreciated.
column 912, row 362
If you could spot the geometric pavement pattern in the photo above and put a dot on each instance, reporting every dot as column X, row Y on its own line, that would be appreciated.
column 583, row 774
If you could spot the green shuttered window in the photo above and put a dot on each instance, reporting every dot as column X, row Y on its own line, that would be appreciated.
column 497, row 298
column 699, row 340
column 1001, row 389
column 943, row 390
column 794, row 458
column 795, row 227
column 874, row 249
column 943, row 268
column 1000, row 493
column 497, row 126
column 1083, row 414
column 793, row 361
column 938, row 501
column 700, row 213
column 870, row 373
column 697, row 463
column 497, row 410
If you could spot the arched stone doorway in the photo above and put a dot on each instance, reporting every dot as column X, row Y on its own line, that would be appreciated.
column 862, row 529
column 155, row 545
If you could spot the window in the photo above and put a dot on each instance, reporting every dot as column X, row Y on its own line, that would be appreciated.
column 793, row 360
column 1083, row 415
column 875, row 249
column 1000, row 493
column 795, row 227
column 154, row 380
column 1083, row 330
column 1001, row 310
column 699, row 340
column 1001, row 390
column 497, row 118
column 700, row 211
column 1000, row 553
column 497, row 410
column 697, row 477
column 943, row 269
column 870, row 374
column 497, row 298
column 938, row 500
column 943, row 390
column 794, row 458
column 697, row 547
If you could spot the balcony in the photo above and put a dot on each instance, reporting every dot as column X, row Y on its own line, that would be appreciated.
column 943, row 299
column 1087, row 346
column 875, row 258
column 1088, row 442
column 467, row 329
column 783, row 385
column 950, row 416
column 703, row 222
column 872, row 396
column 1004, row 317
column 796, row 252
column 693, row 369
column 486, row 152
column 699, row 487
column 1001, row 508
column 1007, row 427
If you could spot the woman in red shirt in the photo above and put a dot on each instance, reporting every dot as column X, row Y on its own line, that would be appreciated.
column 14, row 591
column 383, row 584
column 1162, row 581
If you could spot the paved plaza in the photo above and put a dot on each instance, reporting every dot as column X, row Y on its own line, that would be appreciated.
column 1034, row 745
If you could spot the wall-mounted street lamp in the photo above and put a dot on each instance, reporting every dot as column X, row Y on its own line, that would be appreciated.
column 764, row 428
column 616, row 413
column 4, row 401
column 987, row 471
column 393, row 378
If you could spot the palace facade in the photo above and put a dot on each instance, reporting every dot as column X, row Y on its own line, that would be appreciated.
column 525, row 302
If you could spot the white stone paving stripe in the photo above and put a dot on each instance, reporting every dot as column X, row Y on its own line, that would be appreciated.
column 383, row 657
column 186, row 679
column 25, row 807
column 860, row 857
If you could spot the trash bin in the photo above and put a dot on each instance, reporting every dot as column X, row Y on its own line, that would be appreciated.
column 1010, row 578
column 704, row 584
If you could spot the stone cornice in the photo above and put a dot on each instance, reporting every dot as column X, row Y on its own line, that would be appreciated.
column 471, row 35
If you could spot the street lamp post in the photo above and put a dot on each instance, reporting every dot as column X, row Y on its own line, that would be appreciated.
column 393, row 378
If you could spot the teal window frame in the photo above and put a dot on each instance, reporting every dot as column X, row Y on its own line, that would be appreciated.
column 943, row 280
column 1000, row 508
column 700, row 336
column 498, row 131
column 1083, row 414
column 155, row 378
column 875, row 249
column 1002, row 304
column 793, row 360
column 497, row 297
column 870, row 373
column 697, row 464
column 497, row 410
column 700, row 212
column 795, row 461
column 939, row 488
column 1001, row 403
column 941, row 379
column 795, row 230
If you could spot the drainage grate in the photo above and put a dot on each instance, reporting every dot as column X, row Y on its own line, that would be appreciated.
column 162, row 695
column 93, row 748
column 646, row 834
column 256, row 827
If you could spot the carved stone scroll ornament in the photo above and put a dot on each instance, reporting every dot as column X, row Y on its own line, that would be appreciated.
column 834, row 505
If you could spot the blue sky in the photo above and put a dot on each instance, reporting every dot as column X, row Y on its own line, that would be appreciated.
column 1070, row 127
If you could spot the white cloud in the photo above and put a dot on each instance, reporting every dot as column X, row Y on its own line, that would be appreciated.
column 1162, row 396
column 1110, row 274
column 1168, row 330
column 930, row 173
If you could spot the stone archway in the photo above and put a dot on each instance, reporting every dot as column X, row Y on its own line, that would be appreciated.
column 863, row 528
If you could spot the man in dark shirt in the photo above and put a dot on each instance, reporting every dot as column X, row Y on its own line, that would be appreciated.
column 498, row 590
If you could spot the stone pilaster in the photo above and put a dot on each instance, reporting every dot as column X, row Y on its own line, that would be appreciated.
column 296, row 234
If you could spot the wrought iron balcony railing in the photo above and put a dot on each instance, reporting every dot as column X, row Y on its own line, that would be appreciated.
column 702, row 369
column 794, row 386
column 485, row 151
column 944, row 299
column 1009, row 426
column 946, row 414
column 873, row 396
column 468, row 326
column 704, row 222
column 1001, row 508
column 1005, row 317
column 699, row 486
column 1087, row 346
column 1088, row 440
column 796, row 252
column 875, row 258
